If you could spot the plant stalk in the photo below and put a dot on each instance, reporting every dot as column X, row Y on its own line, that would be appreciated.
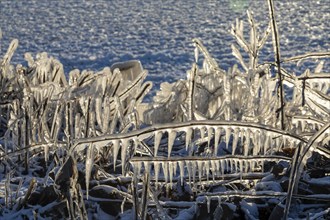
column 276, row 45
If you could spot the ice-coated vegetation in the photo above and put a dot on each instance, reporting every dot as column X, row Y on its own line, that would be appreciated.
column 252, row 142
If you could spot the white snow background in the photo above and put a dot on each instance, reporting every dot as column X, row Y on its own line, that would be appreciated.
column 95, row 34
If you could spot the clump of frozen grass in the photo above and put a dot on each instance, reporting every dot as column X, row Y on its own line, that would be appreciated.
column 88, row 143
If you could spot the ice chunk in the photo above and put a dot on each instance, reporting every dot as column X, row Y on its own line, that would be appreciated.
column 158, row 138
column 171, row 139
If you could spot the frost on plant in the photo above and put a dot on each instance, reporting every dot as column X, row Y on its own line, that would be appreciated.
column 87, row 143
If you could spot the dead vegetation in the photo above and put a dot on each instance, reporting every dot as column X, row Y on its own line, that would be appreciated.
column 214, row 146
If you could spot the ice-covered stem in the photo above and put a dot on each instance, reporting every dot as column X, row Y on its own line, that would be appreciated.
column 210, row 61
column 276, row 45
column 10, row 52
column 299, row 163
column 144, row 202
column 307, row 55
column 191, row 90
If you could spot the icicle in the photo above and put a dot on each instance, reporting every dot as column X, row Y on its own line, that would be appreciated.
column 156, row 168
column 138, row 168
column 231, row 166
column 241, row 167
column 213, row 168
column 106, row 115
column 89, row 165
column 189, row 167
column 202, row 131
column 175, row 164
column 165, row 170
column 77, row 126
column 227, row 165
column 189, row 133
column 124, row 145
column 115, row 148
column 256, row 141
column 196, row 52
column 181, row 165
column 147, row 167
column 208, row 202
column 278, row 141
column 247, row 142
column 217, row 134
column 262, row 166
column 209, row 136
column 219, row 200
column 171, row 172
column 200, row 170
column 253, row 164
column 247, row 166
column 303, row 125
column 193, row 163
column 222, row 166
column 267, row 144
column 228, row 134
column 207, row 169
column 98, row 111
column 158, row 138
column 206, row 67
column 236, row 165
column 218, row 168
column 271, row 143
column 46, row 150
column 286, row 142
column 171, row 139
column 235, row 140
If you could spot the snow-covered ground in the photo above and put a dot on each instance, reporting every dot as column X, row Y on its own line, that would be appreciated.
column 94, row 34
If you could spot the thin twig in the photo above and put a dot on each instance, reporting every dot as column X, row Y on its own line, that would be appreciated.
column 306, row 56
column 276, row 45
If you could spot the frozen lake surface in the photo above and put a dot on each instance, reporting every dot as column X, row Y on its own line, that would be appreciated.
column 95, row 34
